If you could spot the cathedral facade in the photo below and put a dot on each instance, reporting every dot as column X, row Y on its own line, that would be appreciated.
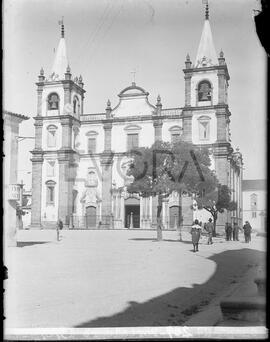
column 80, row 160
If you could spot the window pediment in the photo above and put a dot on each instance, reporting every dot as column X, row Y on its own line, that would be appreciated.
column 91, row 133
column 132, row 128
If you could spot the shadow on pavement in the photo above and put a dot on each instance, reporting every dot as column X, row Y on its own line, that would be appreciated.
column 30, row 243
column 177, row 306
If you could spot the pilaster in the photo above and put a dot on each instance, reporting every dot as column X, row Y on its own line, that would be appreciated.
column 38, row 133
column 67, row 175
column 187, row 125
column 106, row 162
column 37, row 163
column 66, row 123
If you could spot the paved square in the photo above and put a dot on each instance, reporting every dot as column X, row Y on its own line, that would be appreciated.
column 118, row 278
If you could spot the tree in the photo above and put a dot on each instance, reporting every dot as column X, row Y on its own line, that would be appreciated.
column 164, row 168
column 216, row 202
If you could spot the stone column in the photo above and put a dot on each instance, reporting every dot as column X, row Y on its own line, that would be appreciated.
column 154, row 210
column 158, row 129
column 37, row 163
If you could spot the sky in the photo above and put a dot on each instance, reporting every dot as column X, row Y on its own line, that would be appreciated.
column 108, row 39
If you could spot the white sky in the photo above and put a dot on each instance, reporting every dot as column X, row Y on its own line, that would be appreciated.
column 107, row 39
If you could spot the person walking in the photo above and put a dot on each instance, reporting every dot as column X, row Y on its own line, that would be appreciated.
column 247, row 231
column 236, row 229
column 229, row 232
column 195, row 235
column 59, row 226
column 209, row 227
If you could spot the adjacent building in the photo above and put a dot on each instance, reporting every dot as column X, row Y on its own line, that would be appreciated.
column 11, row 192
column 80, row 159
column 254, row 203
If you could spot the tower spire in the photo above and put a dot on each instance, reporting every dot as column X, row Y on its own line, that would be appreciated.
column 206, row 55
column 60, row 61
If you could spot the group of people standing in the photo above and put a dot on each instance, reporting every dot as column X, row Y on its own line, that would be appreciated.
column 232, row 232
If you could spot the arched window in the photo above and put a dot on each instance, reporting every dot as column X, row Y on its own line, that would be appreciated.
column 50, row 192
column 204, row 91
column 53, row 101
column 204, row 127
column 76, row 105
column 51, row 137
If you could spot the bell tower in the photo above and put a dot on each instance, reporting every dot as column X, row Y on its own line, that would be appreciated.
column 206, row 115
column 59, row 106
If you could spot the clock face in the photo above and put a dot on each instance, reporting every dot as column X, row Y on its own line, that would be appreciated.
column 68, row 108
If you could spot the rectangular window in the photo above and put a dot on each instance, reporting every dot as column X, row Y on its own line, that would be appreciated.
column 91, row 145
column 132, row 141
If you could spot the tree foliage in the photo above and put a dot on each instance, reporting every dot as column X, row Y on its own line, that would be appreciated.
column 216, row 201
column 163, row 168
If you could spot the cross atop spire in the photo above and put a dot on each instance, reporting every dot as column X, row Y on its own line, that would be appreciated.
column 61, row 22
column 205, row 2
column 134, row 76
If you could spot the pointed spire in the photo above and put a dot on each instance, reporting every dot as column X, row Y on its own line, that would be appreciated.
column 206, row 55
column 60, row 64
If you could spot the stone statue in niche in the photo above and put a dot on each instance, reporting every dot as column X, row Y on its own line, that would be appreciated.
column 90, row 196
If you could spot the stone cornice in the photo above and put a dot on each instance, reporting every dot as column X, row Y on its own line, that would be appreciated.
column 57, row 117
column 210, row 68
column 106, row 157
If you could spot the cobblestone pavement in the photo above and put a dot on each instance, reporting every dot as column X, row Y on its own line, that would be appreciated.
column 118, row 278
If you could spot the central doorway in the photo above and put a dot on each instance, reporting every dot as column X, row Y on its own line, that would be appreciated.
column 132, row 205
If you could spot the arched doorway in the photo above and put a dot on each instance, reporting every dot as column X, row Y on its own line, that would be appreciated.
column 91, row 217
column 132, row 205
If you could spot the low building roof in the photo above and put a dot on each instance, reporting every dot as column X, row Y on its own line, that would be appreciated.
column 253, row 184
column 20, row 116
